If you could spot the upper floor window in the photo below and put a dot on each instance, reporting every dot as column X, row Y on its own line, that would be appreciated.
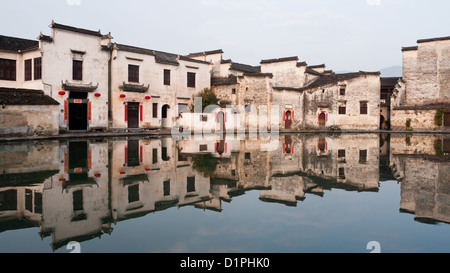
column 28, row 70
column 38, row 68
column 342, row 91
column 166, row 77
column 133, row 73
column 7, row 70
column 77, row 71
column 363, row 108
column 190, row 79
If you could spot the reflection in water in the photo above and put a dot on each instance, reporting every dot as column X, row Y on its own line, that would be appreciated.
column 78, row 190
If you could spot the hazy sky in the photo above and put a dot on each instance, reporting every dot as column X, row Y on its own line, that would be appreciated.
column 348, row 35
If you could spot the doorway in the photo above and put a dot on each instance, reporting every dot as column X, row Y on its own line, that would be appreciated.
column 133, row 115
column 78, row 111
column 165, row 115
column 322, row 119
column 221, row 122
column 288, row 120
column 78, row 115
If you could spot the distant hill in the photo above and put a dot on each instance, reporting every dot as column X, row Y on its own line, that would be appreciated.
column 393, row 71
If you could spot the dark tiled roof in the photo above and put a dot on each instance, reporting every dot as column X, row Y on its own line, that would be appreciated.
column 160, row 56
column 325, row 80
column 286, row 59
column 230, row 80
column 389, row 81
column 257, row 74
column 313, row 72
column 203, row 53
column 75, row 29
column 17, row 44
column 287, row 88
column 12, row 96
column 410, row 48
column 316, row 66
column 166, row 58
column 301, row 64
column 433, row 39
column 245, row 68
column 187, row 59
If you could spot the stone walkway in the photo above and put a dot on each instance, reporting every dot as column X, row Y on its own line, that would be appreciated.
column 167, row 132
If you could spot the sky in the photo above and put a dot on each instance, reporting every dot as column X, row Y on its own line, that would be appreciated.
column 346, row 35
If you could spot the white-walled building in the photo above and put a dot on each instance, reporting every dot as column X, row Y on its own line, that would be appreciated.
column 147, row 86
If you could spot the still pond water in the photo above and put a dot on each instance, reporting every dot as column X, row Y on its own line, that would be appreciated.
column 288, row 194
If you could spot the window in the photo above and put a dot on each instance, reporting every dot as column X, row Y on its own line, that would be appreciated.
column 155, row 156
column 190, row 187
column 363, row 108
column 7, row 70
column 247, row 156
column 164, row 156
column 133, row 73
column 233, row 91
column 341, row 153
column 8, row 200
column 77, row 70
column 133, row 193
column 28, row 72
column 38, row 68
column 77, row 200
column 342, row 173
column 203, row 118
column 342, row 91
column 166, row 188
column 362, row 156
column 29, row 200
column 203, row 147
column 190, row 79
column 166, row 77
column 37, row 202
column 342, row 110
column 155, row 110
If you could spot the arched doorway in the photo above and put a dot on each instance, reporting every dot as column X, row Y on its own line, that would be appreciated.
column 220, row 122
column 322, row 119
column 288, row 120
column 165, row 116
column 382, row 120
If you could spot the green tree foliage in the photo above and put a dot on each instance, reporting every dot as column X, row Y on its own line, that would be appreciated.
column 208, row 98
column 205, row 163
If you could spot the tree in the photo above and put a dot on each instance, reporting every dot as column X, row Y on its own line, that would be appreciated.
column 208, row 98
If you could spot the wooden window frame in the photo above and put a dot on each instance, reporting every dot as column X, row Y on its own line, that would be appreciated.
column 167, row 77
column 8, row 70
column 77, row 70
column 133, row 73
column 191, row 79
column 37, row 68
column 28, row 70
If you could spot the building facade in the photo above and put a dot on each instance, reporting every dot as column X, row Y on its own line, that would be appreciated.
column 421, row 100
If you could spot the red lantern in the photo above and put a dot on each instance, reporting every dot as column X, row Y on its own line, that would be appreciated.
column 122, row 172
column 122, row 96
column 97, row 95
column 147, row 97
column 62, row 93
column 62, row 180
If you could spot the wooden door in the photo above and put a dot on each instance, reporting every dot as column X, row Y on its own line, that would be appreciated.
column 288, row 120
column 133, row 115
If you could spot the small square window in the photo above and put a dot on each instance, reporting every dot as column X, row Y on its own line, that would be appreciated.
column 341, row 153
column 191, row 79
column 342, row 110
column 362, row 156
column 203, row 147
column 247, row 156
column 203, row 118
column 233, row 91
column 342, row 91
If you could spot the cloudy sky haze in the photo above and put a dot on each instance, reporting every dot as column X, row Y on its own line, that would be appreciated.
column 346, row 35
